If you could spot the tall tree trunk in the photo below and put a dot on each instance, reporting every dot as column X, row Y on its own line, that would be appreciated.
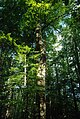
column 41, row 73
column 25, row 96
column 72, row 89
column 77, row 67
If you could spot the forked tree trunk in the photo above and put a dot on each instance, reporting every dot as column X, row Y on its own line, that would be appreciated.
column 41, row 73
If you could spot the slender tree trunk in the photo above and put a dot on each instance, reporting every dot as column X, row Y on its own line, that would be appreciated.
column 77, row 62
column 57, row 81
column 41, row 73
column 25, row 96
column 75, row 103
column 73, row 92
column 48, row 101
column 25, row 69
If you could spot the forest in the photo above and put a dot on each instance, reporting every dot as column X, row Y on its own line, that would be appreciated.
column 39, row 59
